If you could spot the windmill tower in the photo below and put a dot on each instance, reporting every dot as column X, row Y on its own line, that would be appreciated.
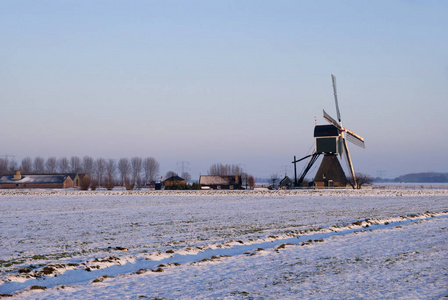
column 331, row 141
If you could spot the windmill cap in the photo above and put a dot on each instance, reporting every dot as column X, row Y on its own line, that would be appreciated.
column 325, row 130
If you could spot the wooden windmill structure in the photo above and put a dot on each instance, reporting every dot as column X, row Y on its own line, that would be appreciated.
column 331, row 141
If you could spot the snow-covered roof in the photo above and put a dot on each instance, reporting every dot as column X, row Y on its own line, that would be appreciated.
column 72, row 175
column 216, row 180
column 9, row 179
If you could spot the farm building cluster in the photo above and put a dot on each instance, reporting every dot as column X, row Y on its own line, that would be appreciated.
column 73, row 180
column 41, row 181
column 208, row 182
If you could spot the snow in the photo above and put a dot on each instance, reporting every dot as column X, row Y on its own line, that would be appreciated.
column 376, row 243
column 9, row 179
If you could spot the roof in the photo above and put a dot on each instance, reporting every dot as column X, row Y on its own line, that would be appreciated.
column 285, row 180
column 218, row 180
column 72, row 175
column 9, row 179
column 325, row 130
column 175, row 178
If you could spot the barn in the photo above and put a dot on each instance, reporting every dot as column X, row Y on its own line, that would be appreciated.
column 221, row 182
column 44, row 181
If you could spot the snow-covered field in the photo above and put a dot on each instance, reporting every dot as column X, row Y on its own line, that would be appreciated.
column 386, row 242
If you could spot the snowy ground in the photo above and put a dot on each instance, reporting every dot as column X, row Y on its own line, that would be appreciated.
column 379, row 243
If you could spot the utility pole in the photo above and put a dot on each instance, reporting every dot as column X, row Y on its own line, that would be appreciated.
column 380, row 173
column 183, row 166
column 295, row 171
column 285, row 168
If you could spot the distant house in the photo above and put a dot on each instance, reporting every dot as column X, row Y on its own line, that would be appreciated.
column 79, row 178
column 174, row 181
column 42, row 181
column 221, row 182
column 286, row 183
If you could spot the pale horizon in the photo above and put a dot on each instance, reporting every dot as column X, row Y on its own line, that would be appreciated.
column 225, row 82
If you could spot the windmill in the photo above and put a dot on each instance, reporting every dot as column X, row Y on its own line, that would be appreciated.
column 331, row 140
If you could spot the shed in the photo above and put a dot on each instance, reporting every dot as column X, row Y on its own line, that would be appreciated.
column 286, row 183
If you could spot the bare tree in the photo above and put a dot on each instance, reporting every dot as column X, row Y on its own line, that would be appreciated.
column 12, row 165
column 38, row 164
column 100, row 168
column 251, row 182
column 88, row 165
column 136, row 163
column 27, row 165
column 186, row 176
column 63, row 165
column 75, row 164
column 362, row 179
column 170, row 174
column 221, row 169
column 8, row 166
column 245, row 179
column 124, row 167
column 4, row 165
column 51, row 164
column 111, row 167
column 274, row 180
column 151, row 167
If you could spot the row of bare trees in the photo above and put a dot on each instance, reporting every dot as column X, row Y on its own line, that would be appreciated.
column 136, row 170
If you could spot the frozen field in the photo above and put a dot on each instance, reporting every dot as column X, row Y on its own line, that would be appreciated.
column 376, row 244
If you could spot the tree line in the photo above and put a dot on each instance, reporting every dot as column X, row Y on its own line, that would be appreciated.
column 136, row 170
column 109, row 172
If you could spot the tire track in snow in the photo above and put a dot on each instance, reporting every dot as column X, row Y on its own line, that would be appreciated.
column 156, row 262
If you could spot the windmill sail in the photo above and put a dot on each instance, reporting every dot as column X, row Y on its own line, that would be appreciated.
column 349, row 161
column 355, row 139
column 331, row 120
column 333, row 78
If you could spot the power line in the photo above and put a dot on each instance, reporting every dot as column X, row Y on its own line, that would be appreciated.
column 183, row 166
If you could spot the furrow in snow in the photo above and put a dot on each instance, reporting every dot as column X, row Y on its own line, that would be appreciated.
column 52, row 275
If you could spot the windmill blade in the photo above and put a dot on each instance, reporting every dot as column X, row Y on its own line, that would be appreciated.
column 331, row 120
column 349, row 161
column 355, row 138
column 333, row 78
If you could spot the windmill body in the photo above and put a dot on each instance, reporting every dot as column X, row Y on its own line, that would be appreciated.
column 331, row 141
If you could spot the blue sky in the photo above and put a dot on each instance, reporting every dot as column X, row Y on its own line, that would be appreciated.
column 225, row 81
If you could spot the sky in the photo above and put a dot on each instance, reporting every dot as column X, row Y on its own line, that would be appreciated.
column 233, row 82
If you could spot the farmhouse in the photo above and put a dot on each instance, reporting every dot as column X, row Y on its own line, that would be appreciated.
column 174, row 181
column 221, row 182
column 46, row 181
